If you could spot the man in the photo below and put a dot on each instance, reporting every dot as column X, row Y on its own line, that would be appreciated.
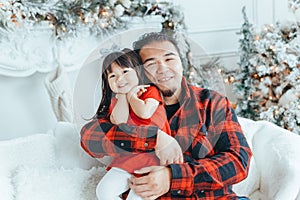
column 216, row 154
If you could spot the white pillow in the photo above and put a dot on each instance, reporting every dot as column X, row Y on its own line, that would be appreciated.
column 68, row 150
column 35, row 150
column 56, row 183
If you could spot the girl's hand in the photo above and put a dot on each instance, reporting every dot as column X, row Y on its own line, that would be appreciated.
column 137, row 91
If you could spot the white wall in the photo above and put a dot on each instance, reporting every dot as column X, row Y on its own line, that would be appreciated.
column 25, row 107
column 213, row 24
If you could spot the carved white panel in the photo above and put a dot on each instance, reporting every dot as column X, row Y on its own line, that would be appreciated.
column 24, row 52
column 21, row 50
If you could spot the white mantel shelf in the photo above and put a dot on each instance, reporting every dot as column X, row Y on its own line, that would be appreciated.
column 26, row 51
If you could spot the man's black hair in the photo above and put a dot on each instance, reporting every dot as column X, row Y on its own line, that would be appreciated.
column 148, row 38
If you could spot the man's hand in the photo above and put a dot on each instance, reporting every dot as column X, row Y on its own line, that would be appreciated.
column 167, row 149
column 153, row 185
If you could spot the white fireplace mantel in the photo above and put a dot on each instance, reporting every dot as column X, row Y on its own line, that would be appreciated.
column 25, row 51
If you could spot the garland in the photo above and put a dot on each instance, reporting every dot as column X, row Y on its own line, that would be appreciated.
column 99, row 16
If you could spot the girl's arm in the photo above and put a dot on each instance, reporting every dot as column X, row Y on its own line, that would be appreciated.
column 142, row 108
column 120, row 111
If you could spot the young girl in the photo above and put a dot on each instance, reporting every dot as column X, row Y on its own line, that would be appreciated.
column 125, row 100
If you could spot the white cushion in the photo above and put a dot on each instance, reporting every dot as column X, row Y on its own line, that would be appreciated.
column 35, row 150
column 251, row 184
column 68, row 150
column 56, row 183
column 276, row 152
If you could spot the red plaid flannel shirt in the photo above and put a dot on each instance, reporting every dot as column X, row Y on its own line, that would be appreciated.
column 215, row 149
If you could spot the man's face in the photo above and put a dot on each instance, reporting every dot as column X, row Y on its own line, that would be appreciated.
column 163, row 66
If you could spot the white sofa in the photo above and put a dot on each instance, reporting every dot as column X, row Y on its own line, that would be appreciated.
column 52, row 166
column 275, row 166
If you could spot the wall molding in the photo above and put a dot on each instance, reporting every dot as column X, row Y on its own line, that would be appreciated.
column 215, row 30
column 224, row 54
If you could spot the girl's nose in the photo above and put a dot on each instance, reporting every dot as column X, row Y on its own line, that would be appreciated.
column 119, row 78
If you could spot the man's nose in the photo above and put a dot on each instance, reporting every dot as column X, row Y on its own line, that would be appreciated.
column 162, row 67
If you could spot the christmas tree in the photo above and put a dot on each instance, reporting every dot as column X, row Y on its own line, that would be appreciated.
column 247, row 102
column 268, row 85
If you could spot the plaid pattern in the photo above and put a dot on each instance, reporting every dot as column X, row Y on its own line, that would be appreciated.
column 215, row 150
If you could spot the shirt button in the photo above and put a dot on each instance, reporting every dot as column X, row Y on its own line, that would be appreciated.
column 202, row 191
column 179, row 191
column 122, row 144
column 146, row 144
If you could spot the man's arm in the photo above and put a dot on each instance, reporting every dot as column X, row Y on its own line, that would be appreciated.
column 225, row 165
column 100, row 137
column 229, row 162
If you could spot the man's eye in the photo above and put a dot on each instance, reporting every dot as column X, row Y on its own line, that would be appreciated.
column 150, row 65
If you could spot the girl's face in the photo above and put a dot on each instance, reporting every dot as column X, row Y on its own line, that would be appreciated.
column 122, row 79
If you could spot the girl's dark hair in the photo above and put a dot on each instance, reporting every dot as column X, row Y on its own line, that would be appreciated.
column 124, row 58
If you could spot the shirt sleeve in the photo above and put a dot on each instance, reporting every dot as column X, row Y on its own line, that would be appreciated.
column 100, row 137
column 152, row 92
column 228, row 161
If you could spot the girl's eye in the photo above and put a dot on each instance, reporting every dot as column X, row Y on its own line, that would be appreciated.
column 111, row 76
column 125, row 71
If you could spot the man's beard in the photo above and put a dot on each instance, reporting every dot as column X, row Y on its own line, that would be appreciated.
column 168, row 92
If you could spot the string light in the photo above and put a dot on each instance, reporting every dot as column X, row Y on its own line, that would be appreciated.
column 64, row 29
column 270, row 98
column 103, row 12
column 104, row 24
column 272, row 48
column 51, row 26
column 233, row 105
column 13, row 18
column 170, row 24
column 255, row 76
